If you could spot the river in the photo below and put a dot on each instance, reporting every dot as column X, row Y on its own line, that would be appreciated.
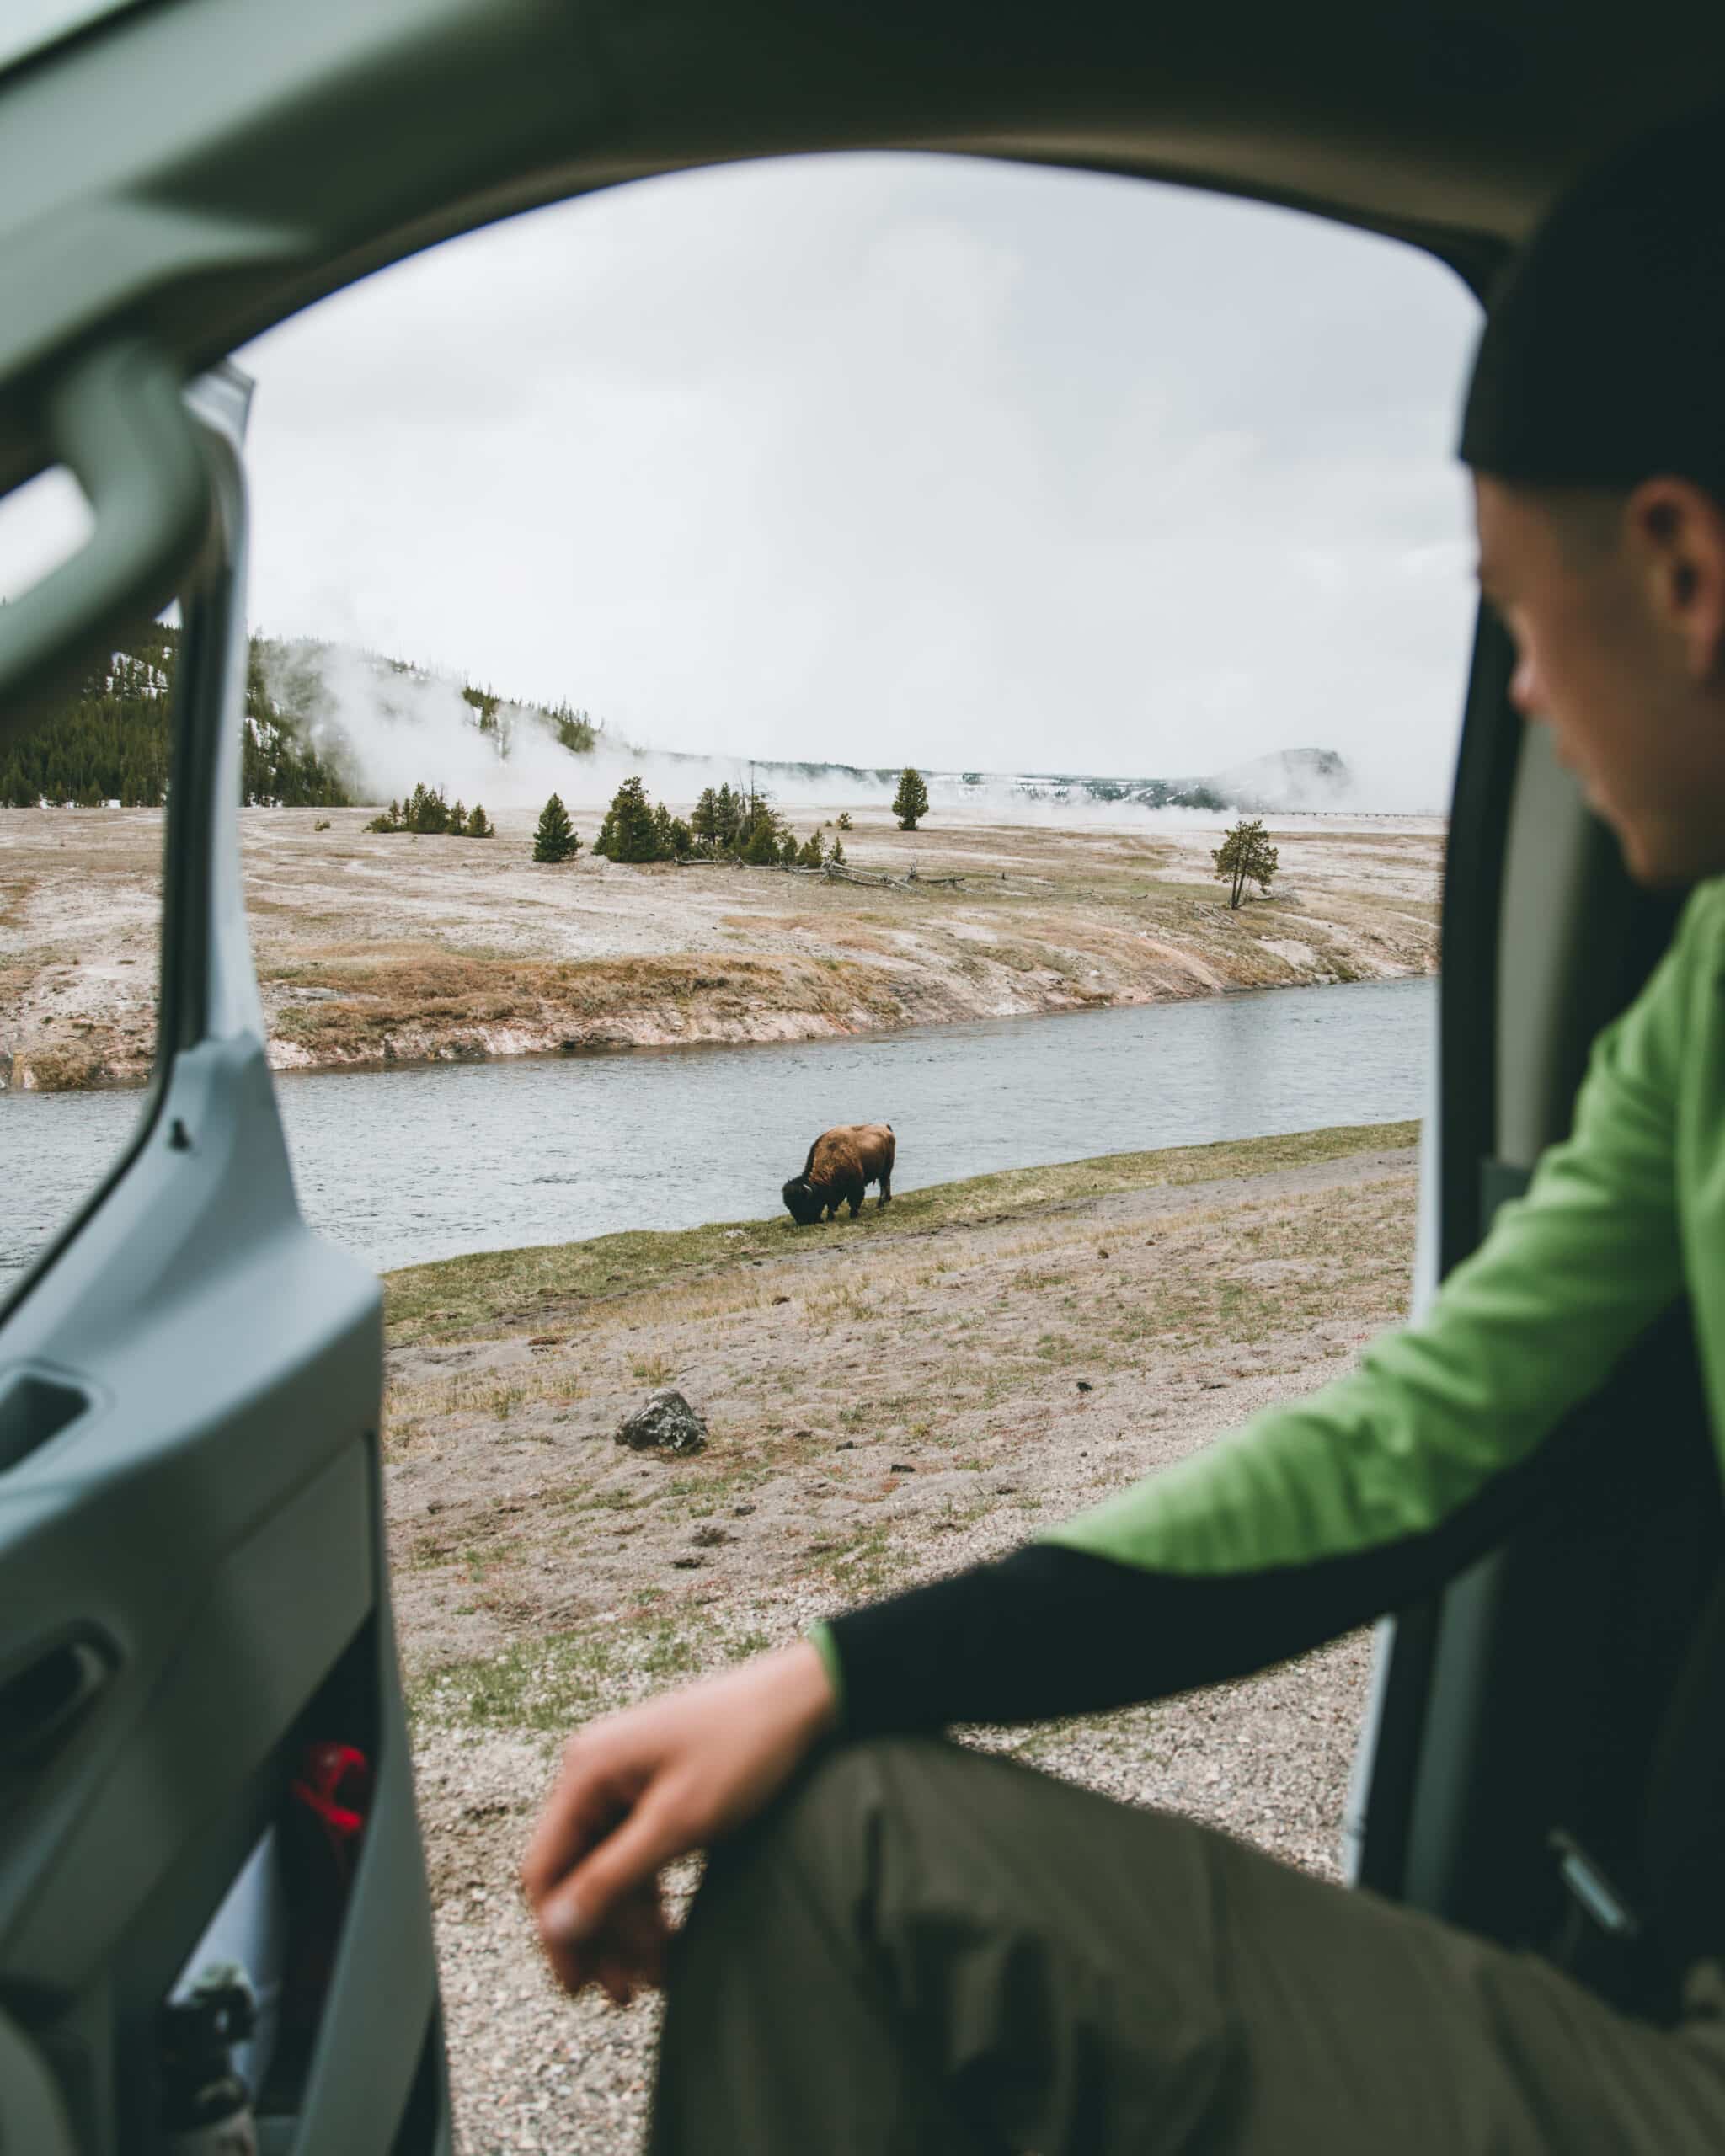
column 431, row 1161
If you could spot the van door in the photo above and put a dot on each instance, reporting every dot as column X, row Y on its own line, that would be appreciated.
column 203, row 1754
column 1516, row 1715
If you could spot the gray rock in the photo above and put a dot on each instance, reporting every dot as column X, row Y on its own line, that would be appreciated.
column 664, row 1422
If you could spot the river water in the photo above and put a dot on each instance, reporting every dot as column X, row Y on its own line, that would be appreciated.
column 436, row 1159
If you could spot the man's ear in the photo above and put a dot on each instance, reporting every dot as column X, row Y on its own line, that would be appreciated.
column 1676, row 534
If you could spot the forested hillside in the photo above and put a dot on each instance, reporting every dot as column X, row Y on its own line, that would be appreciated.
column 110, row 741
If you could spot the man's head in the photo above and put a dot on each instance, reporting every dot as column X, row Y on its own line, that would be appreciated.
column 1596, row 428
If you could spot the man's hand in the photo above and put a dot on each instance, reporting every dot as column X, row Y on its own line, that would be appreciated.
column 655, row 1782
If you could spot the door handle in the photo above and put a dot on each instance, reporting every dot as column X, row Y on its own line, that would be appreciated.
column 43, row 1702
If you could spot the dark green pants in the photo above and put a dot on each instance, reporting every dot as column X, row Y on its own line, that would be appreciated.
column 927, row 1951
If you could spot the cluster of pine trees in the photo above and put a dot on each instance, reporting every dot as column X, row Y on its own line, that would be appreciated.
column 636, row 828
column 427, row 808
column 725, row 826
column 732, row 825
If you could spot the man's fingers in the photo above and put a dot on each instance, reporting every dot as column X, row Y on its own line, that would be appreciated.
column 628, row 1858
column 589, row 1799
column 626, row 1952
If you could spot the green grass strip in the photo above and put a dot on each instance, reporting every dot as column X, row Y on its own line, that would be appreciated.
column 496, row 1293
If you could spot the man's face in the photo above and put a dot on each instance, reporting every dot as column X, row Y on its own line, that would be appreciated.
column 1601, row 601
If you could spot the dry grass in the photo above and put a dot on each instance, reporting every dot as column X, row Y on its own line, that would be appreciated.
column 405, row 999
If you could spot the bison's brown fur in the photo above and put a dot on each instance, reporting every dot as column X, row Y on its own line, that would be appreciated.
column 841, row 1164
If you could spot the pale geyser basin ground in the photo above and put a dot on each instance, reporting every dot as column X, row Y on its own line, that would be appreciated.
column 379, row 948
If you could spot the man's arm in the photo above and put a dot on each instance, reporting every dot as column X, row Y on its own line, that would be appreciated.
column 1315, row 1517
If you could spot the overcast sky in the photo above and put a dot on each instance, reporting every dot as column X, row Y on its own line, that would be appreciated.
column 897, row 458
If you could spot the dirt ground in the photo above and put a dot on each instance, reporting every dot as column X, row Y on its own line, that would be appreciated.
column 885, row 1401
column 376, row 949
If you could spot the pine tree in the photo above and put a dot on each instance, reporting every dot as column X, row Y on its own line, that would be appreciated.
column 458, row 824
column 812, row 853
column 479, row 824
column 1245, row 856
column 427, row 811
column 682, row 838
column 664, row 840
column 836, row 857
column 910, row 802
column 727, row 821
column 628, row 830
column 555, row 839
column 759, row 845
column 787, row 849
column 704, row 820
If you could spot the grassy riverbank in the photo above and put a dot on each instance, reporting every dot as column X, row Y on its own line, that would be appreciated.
column 378, row 948
column 886, row 1400
column 499, row 1292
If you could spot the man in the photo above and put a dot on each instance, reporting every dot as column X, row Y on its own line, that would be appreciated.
column 920, row 1948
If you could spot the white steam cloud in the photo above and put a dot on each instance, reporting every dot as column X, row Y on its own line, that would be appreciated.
column 390, row 729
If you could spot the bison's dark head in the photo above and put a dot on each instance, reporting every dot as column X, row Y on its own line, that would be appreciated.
column 801, row 1203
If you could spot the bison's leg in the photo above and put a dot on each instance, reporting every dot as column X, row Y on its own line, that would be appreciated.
column 855, row 1195
column 886, row 1186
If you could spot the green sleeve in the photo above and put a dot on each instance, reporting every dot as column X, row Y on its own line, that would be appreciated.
column 820, row 1638
column 1569, row 1276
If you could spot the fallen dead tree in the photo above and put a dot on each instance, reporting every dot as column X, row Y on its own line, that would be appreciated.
column 838, row 873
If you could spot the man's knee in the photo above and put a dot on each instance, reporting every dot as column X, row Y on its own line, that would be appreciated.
column 831, row 1821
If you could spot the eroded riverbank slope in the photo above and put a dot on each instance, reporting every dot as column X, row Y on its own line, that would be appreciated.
column 376, row 949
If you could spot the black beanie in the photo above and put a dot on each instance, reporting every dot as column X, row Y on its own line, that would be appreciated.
column 1602, row 361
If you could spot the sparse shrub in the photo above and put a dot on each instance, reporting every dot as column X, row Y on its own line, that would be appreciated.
column 844, row 819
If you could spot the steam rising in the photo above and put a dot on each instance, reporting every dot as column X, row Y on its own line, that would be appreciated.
column 389, row 728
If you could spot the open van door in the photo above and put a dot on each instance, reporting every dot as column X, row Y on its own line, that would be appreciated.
column 200, row 1712
column 1517, row 1717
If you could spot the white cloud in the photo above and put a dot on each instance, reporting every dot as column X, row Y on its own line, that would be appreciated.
column 887, row 459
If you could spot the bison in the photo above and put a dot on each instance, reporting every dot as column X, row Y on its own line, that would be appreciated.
column 841, row 1164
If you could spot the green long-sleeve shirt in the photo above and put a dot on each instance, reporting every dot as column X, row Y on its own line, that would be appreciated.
column 1315, row 1516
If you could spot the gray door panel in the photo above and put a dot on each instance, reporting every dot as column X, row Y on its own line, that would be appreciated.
column 192, row 1585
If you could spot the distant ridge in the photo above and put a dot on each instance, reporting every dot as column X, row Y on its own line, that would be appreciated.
column 1286, row 780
